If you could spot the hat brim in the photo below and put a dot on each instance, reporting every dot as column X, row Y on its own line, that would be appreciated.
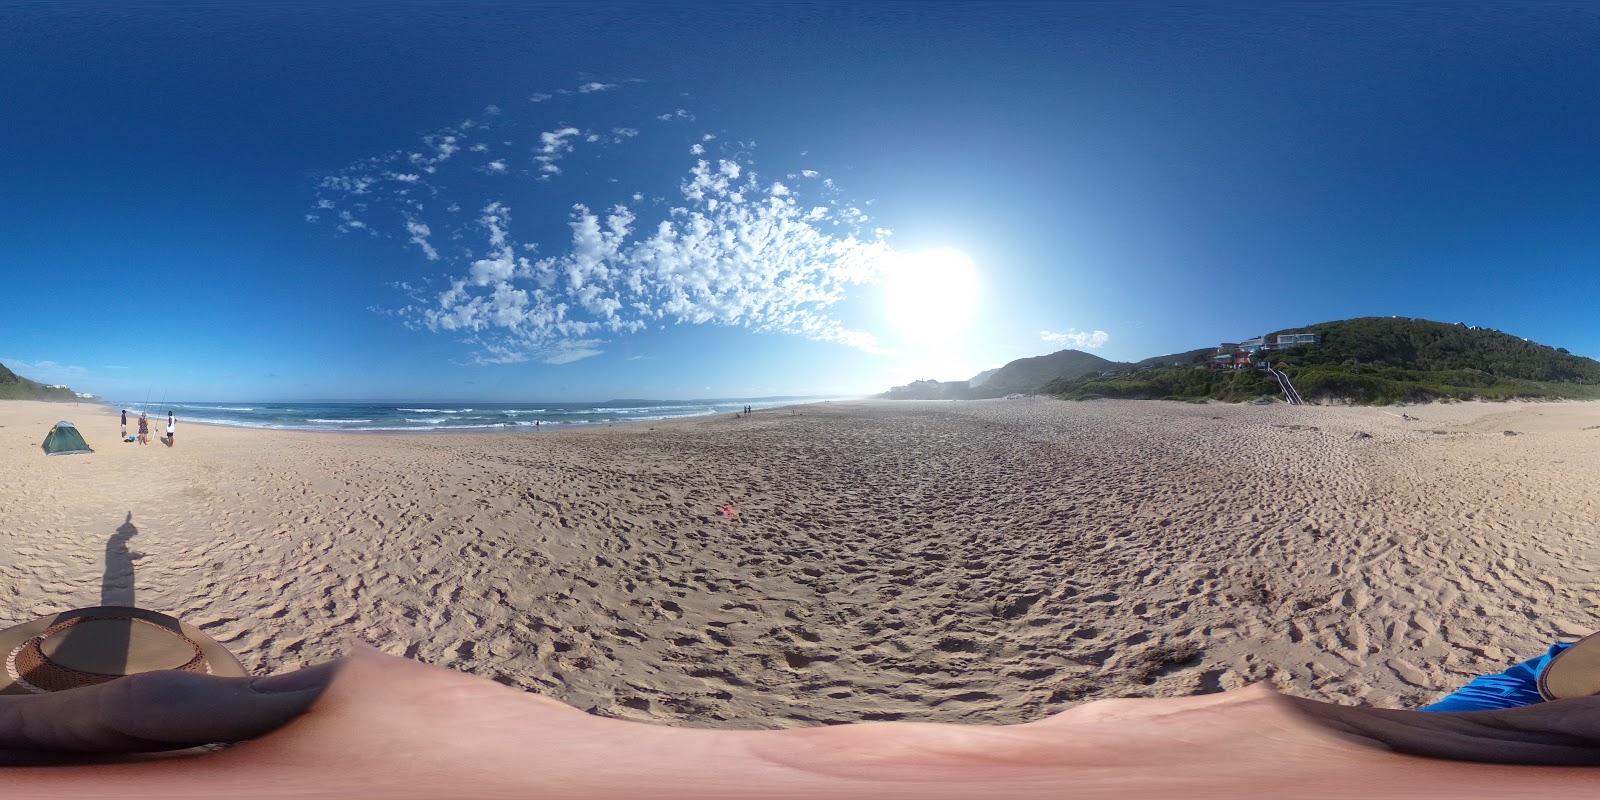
column 218, row 659
column 1574, row 672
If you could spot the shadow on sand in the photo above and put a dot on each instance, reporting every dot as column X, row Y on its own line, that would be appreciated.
column 117, row 588
column 117, row 585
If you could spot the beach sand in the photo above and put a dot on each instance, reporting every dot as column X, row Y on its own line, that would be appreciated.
column 989, row 561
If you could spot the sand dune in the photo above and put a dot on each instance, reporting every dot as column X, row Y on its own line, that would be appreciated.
column 989, row 561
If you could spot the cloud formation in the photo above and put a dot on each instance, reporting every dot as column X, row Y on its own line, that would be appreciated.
column 1075, row 338
column 47, row 372
column 721, row 247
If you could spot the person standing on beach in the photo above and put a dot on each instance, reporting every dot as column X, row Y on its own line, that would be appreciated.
column 124, row 424
column 172, row 430
column 144, row 429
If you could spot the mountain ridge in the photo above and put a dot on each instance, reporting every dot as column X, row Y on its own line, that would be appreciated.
column 16, row 387
column 1362, row 360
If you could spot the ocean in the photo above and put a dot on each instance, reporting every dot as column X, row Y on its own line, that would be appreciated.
column 445, row 416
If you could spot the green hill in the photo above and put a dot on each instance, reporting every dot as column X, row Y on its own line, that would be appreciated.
column 1419, row 344
column 1023, row 375
column 979, row 379
column 1376, row 360
column 16, row 387
column 1028, row 374
column 1188, row 358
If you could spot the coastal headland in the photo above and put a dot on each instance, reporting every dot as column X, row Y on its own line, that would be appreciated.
column 989, row 561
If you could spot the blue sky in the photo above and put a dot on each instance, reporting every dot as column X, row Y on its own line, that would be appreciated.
column 579, row 202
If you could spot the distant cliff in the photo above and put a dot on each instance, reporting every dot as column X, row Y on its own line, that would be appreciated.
column 16, row 387
column 1021, row 376
column 929, row 390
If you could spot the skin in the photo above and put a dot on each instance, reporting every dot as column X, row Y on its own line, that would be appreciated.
column 374, row 725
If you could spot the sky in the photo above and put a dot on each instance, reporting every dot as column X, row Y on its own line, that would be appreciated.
column 568, row 202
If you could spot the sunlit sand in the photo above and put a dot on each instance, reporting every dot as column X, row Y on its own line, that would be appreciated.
column 989, row 561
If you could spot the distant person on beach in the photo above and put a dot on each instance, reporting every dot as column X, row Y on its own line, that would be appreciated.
column 124, row 424
column 172, row 430
column 144, row 429
column 382, row 726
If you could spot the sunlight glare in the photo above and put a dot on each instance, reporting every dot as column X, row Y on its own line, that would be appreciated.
column 932, row 296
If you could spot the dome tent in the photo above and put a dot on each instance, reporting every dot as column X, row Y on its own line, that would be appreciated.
column 64, row 440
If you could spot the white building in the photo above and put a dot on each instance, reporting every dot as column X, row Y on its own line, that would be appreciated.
column 1279, row 342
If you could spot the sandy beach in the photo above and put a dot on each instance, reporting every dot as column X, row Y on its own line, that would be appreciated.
column 991, row 561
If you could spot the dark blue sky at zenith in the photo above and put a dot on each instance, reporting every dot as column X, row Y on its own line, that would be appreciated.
column 234, row 197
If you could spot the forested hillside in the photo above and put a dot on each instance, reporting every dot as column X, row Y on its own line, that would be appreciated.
column 1373, row 360
column 16, row 387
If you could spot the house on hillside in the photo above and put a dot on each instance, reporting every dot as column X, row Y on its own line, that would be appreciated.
column 1279, row 342
column 1292, row 339
column 1232, row 355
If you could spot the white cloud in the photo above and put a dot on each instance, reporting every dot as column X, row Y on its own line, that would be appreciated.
column 419, row 237
column 1076, row 338
column 46, row 372
column 734, row 254
column 553, row 145
column 730, row 249
column 595, row 86
column 539, row 97
column 570, row 351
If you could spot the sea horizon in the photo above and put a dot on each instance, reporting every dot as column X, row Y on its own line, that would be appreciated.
column 433, row 416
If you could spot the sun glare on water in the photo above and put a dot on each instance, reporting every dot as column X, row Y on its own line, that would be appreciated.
column 930, row 297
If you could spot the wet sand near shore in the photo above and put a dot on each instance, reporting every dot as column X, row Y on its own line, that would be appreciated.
column 989, row 561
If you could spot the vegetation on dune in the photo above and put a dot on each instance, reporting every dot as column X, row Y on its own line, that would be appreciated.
column 1375, row 361
column 1169, row 383
column 1186, row 358
column 1382, row 385
column 1361, row 384
column 1425, row 346
column 16, row 387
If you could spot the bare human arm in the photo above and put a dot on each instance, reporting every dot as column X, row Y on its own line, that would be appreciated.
column 394, row 728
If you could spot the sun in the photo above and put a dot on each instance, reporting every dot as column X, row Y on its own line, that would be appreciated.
column 930, row 297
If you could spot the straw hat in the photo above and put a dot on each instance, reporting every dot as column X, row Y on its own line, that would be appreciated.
column 1574, row 672
column 87, row 646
